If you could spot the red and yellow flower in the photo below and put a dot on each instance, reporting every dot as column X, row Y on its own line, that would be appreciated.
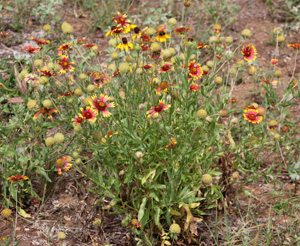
column 201, row 46
column 63, row 163
column 101, row 105
column 249, row 52
column 194, row 87
column 3, row 35
column 182, row 30
column 125, row 45
column 274, row 61
column 17, row 178
column 296, row 46
column 166, row 67
column 78, row 120
column 195, row 70
column 40, row 41
column 162, row 36
column 99, row 79
column 158, row 109
column 88, row 114
column 252, row 116
column 64, row 48
column 47, row 73
column 65, row 65
column 123, row 22
column 163, row 86
column 115, row 31
column 44, row 111
column 31, row 49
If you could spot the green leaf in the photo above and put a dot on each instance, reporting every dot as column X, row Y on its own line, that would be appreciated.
column 157, row 216
column 9, row 8
column 9, row 153
column 142, row 209
column 23, row 213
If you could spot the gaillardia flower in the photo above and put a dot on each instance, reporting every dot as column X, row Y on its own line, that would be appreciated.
column 194, row 87
column 249, row 52
column 125, row 45
column 102, row 105
column 295, row 46
column 99, row 79
column 40, row 41
column 195, row 70
column 78, row 120
column 123, row 22
column 182, row 30
column 115, row 31
column 64, row 48
column 88, row 114
column 31, row 49
column 162, row 36
column 17, row 178
column 64, row 162
column 252, row 116
column 166, row 67
column 157, row 109
column 44, row 111
column 163, row 86
column 274, row 61
column 65, row 65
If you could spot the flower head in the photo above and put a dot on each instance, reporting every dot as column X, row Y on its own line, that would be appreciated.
column 201, row 46
column 125, row 45
column 40, row 41
column 3, row 35
column 115, row 31
column 249, row 52
column 63, row 163
column 17, row 178
column 166, row 67
column 78, row 120
column 296, row 46
column 195, row 70
column 123, row 22
column 182, row 30
column 102, row 105
column 161, row 34
column 88, row 114
column 64, row 48
column 274, row 61
column 47, row 73
column 252, row 116
column 135, row 223
column 99, row 79
column 163, row 86
column 44, row 111
column 157, row 109
column 194, row 87
column 31, row 49
column 65, row 65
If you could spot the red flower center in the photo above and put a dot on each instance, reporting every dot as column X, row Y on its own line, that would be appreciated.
column 60, row 162
column 158, row 108
column 251, row 116
column 194, row 70
column 65, row 64
column 165, row 67
column 122, row 20
column 88, row 115
column 101, row 106
column 164, row 85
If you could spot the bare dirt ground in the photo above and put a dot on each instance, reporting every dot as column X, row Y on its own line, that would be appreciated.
column 70, row 209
